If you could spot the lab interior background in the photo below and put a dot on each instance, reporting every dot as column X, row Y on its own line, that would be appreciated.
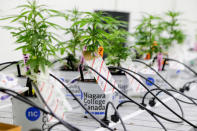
column 136, row 8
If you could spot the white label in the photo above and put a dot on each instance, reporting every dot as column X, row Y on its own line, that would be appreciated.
column 99, row 65
column 50, row 90
column 134, row 84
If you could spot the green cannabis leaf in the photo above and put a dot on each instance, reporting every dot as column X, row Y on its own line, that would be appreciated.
column 116, row 51
column 33, row 35
column 146, row 34
column 171, row 26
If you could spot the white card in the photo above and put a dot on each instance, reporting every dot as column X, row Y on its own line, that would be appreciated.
column 137, row 88
column 99, row 65
column 50, row 90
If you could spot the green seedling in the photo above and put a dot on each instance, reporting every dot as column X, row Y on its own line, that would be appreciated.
column 33, row 36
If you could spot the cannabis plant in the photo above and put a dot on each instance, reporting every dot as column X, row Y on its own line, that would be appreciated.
column 117, row 51
column 33, row 35
column 75, row 31
column 145, row 35
column 171, row 27
column 95, row 30
column 73, row 44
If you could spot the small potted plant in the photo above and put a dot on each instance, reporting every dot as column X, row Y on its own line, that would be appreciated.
column 33, row 35
column 169, row 31
column 145, row 36
column 72, row 45
column 117, row 52
column 69, row 69
column 172, row 27
column 174, row 37
column 38, row 43
column 94, row 35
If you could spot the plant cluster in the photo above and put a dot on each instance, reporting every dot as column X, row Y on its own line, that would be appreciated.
column 155, row 34
column 33, row 35
column 171, row 27
column 95, row 26
column 98, row 29
column 88, row 30
column 146, row 34
column 117, row 51
column 72, row 45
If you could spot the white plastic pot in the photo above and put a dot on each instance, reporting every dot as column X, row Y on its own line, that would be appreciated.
column 68, row 78
column 30, row 118
column 123, row 85
column 94, row 98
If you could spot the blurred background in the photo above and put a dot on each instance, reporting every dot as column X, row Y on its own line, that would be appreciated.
column 132, row 10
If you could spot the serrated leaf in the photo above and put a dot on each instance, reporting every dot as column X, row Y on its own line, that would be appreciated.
column 9, row 27
column 20, row 16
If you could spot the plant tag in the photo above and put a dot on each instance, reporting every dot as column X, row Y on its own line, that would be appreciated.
column 195, row 46
column 99, row 65
column 159, row 61
column 136, row 87
column 26, row 58
column 100, row 51
column 50, row 90
column 96, row 96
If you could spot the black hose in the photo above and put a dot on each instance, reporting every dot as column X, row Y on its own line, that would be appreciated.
column 161, row 90
column 123, row 69
column 171, row 90
column 43, row 101
column 159, row 76
column 29, row 102
column 7, row 66
column 141, row 106
column 155, row 72
column 161, row 124
column 50, row 128
column 11, row 62
column 106, row 112
column 170, row 59
column 156, row 98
